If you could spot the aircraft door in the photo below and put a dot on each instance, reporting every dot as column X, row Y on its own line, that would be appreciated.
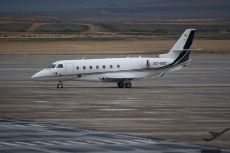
column 69, row 71
column 60, row 71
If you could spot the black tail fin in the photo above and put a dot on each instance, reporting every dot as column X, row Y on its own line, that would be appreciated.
column 181, row 50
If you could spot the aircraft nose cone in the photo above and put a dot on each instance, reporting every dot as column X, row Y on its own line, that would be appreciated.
column 39, row 75
column 34, row 76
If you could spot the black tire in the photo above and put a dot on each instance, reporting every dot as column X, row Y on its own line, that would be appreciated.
column 120, row 84
column 128, row 85
column 60, row 86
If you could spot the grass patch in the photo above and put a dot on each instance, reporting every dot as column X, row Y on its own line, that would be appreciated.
column 66, row 28
column 17, row 27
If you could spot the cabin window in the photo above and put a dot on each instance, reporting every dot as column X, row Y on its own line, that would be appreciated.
column 103, row 66
column 97, row 67
column 52, row 66
column 90, row 67
column 84, row 67
column 77, row 67
column 118, row 66
column 111, row 66
column 60, row 66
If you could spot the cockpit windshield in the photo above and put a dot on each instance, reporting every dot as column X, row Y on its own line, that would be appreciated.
column 52, row 66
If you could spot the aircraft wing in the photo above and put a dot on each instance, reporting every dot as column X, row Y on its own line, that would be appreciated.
column 116, row 77
column 126, row 76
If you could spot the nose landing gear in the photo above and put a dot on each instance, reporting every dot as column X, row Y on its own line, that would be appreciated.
column 60, row 84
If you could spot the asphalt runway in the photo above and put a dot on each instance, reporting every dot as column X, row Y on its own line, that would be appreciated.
column 26, row 136
column 182, row 106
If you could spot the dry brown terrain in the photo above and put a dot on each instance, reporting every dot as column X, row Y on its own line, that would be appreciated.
column 106, row 47
column 35, row 36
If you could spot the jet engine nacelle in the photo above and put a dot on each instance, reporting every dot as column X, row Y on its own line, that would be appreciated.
column 151, row 64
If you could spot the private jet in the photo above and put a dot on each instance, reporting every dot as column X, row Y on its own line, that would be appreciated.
column 120, row 70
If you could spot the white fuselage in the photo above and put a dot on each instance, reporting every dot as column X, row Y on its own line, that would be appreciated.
column 109, row 69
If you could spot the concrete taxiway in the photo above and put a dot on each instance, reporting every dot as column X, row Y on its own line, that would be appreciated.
column 182, row 106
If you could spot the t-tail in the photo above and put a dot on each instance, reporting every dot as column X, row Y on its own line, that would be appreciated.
column 181, row 50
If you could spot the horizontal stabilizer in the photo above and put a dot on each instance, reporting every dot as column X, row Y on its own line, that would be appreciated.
column 159, row 75
column 185, row 50
column 175, row 68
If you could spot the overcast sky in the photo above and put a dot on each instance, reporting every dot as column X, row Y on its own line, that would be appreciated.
column 122, row 9
column 36, row 5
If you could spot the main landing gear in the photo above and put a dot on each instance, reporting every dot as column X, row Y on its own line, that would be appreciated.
column 124, row 84
column 60, row 84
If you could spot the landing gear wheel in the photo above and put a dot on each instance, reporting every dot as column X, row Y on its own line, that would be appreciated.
column 128, row 85
column 60, row 85
column 120, row 84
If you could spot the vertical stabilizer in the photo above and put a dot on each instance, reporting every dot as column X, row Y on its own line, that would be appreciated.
column 181, row 50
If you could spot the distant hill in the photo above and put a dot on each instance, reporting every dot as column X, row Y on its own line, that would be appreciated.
column 116, row 10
